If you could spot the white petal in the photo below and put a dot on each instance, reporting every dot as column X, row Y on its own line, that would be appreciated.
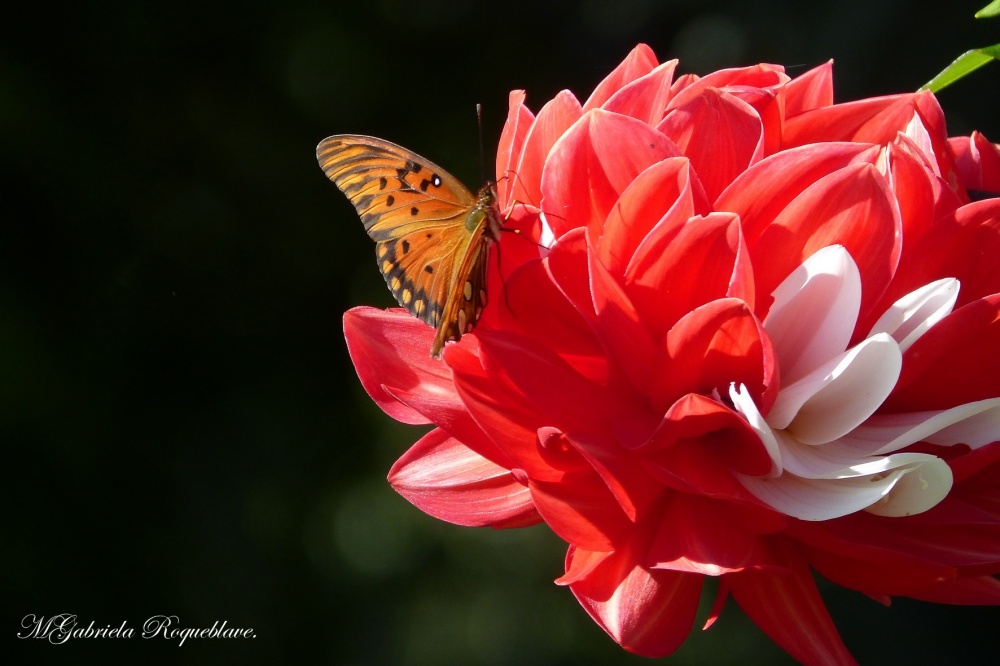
column 814, row 312
column 917, row 489
column 840, row 394
column 814, row 462
column 546, row 237
column 744, row 404
column 917, row 132
column 980, row 426
column 974, row 423
column 825, row 499
column 914, row 314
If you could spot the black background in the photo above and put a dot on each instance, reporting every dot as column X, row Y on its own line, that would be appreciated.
column 184, row 432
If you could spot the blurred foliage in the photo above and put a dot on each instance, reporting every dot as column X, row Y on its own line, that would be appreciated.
column 185, row 432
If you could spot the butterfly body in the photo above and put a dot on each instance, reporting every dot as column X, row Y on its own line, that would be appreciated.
column 432, row 235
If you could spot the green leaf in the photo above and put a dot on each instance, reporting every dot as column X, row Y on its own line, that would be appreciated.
column 990, row 10
column 965, row 64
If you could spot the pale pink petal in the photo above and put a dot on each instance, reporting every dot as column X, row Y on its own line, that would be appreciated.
column 914, row 314
column 814, row 312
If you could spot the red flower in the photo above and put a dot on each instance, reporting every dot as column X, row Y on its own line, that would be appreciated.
column 752, row 334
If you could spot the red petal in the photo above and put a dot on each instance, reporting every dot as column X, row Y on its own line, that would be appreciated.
column 640, row 61
column 721, row 134
column 392, row 348
column 623, row 332
column 444, row 478
column 623, row 473
column 713, row 346
column 701, row 536
column 923, row 196
column 852, row 207
column 645, row 98
column 768, row 187
column 683, row 264
column 519, row 119
column 648, row 612
column 579, row 564
column 789, row 609
column 748, row 82
column 557, row 116
column 977, row 161
column 581, row 510
column 665, row 191
column 980, row 591
column 566, row 399
column 538, row 309
column 593, row 163
column 812, row 90
column 964, row 245
column 955, row 362
column 870, row 120
column 698, row 446
column 875, row 568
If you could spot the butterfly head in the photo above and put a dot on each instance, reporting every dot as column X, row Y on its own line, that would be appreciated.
column 486, row 206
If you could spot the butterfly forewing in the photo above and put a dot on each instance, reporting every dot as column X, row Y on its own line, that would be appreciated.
column 431, row 233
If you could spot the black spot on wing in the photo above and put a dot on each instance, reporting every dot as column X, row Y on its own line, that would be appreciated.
column 414, row 211
column 382, row 182
column 429, row 270
column 406, row 246
column 389, row 200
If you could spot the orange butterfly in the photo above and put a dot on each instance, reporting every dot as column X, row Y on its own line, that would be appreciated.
column 431, row 234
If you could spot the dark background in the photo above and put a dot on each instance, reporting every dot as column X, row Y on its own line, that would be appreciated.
column 184, row 433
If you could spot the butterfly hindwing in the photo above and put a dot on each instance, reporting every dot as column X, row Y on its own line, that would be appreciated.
column 431, row 234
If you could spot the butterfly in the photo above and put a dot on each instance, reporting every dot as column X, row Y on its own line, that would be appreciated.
column 432, row 235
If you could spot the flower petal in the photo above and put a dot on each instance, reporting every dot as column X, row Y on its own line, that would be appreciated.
column 552, row 121
column 711, row 347
column 640, row 61
column 973, row 424
column 446, row 479
column 582, row 510
column 857, row 488
column 664, row 191
column 977, row 161
column 955, row 362
column 811, row 90
column 684, row 264
column 593, row 163
column 648, row 612
column 519, row 119
column 840, row 394
column 645, row 98
column 814, row 312
column 721, row 134
column 390, row 348
column 852, row 207
column 788, row 607
column 962, row 246
column 914, row 314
